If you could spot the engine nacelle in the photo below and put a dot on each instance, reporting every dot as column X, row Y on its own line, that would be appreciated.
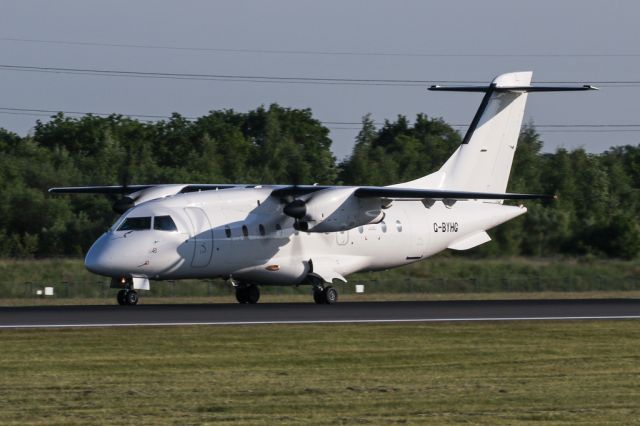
column 335, row 209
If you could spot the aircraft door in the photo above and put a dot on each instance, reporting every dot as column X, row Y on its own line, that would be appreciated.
column 415, row 249
column 202, row 234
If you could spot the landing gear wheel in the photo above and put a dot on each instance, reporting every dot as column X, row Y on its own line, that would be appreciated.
column 248, row 294
column 330, row 295
column 242, row 294
column 318, row 296
column 253, row 294
column 131, row 297
column 325, row 296
column 121, row 297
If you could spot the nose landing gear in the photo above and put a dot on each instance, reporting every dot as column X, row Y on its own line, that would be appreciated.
column 127, row 297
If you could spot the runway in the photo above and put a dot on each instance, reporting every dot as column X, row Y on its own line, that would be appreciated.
column 309, row 313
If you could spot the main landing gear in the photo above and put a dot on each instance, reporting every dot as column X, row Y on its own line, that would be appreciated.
column 324, row 295
column 127, row 297
column 247, row 293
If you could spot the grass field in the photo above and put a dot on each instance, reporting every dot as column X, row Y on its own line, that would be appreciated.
column 449, row 373
column 349, row 296
column 437, row 275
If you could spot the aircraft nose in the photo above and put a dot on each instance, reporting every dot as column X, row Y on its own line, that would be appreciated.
column 99, row 260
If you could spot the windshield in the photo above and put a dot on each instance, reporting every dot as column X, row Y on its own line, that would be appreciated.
column 164, row 223
column 136, row 224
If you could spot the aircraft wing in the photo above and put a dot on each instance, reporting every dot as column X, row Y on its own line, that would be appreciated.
column 398, row 193
column 136, row 194
column 129, row 189
column 301, row 190
column 298, row 190
column 116, row 189
column 441, row 194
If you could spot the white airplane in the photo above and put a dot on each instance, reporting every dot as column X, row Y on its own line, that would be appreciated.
column 254, row 235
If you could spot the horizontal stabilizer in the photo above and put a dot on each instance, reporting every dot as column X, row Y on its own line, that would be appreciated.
column 495, row 88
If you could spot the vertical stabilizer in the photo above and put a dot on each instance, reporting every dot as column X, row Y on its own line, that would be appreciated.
column 482, row 162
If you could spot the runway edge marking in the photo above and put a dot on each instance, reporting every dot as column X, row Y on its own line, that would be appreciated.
column 302, row 322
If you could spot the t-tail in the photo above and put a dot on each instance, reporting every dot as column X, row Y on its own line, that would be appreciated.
column 482, row 163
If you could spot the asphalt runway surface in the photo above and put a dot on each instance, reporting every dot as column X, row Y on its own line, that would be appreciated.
column 309, row 313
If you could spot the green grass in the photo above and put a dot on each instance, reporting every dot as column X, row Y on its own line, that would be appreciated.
column 449, row 373
column 440, row 274
column 345, row 295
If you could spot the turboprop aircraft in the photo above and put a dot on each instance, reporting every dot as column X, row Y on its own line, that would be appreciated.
column 255, row 235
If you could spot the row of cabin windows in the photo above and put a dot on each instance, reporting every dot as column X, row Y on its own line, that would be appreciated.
column 383, row 227
column 245, row 230
column 263, row 231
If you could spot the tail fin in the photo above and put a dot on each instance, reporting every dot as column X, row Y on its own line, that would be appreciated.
column 482, row 162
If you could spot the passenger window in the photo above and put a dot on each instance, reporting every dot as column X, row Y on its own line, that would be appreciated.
column 136, row 224
column 245, row 230
column 227, row 231
column 164, row 223
column 398, row 226
column 361, row 229
column 278, row 230
column 383, row 226
column 262, row 230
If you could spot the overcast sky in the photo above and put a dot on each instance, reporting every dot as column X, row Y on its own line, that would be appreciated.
column 582, row 41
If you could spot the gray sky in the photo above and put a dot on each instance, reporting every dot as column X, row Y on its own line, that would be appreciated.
column 559, row 40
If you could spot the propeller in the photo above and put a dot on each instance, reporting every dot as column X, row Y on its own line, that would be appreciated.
column 297, row 209
column 123, row 204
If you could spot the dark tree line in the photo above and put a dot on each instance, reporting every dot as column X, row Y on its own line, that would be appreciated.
column 596, row 213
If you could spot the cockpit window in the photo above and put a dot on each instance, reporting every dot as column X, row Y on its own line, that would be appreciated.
column 164, row 223
column 136, row 224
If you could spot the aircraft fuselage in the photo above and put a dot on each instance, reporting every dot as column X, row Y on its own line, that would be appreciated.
column 240, row 233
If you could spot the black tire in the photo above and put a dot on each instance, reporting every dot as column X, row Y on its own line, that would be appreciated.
column 131, row 298
column 330, row 295
column 121, row 297
column 242, row 294
column 319, row 297
column 253, row 294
